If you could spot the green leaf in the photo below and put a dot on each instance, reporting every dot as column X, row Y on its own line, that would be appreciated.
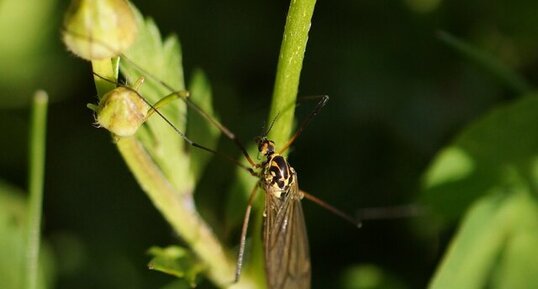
column 517, row 268
column 472, row 252
column 176, row 261
column 200, row 129
column 159, row 62
column 493, row 165
column 482, row 155
column 495, row 245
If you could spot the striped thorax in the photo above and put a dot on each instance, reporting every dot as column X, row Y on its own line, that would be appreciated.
column 277, row 174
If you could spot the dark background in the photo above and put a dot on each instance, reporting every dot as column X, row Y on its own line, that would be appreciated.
column 398, row 95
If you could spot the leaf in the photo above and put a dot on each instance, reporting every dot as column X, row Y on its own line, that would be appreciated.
column 200, row 129
column 176, row 261
column 472, row 252
column 492, row 165
column 495, row 245
column 159, row 62
column 479, row 158
column 519, row 262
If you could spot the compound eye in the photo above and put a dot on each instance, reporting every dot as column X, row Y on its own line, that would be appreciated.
column 268, row 148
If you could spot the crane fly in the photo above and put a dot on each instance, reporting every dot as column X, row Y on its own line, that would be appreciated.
column 285, row 240
column 286, row 250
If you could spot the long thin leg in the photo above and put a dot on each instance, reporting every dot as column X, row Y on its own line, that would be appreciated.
column 167, row 99
column 183, row 95
column 197, row 145
column 306, row 122
column 394, row 212
column 204, row 114
column 244, row 233
column 213, row 121
column 332, row 209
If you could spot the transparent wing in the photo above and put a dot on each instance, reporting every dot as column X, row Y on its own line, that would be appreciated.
column 287, row 257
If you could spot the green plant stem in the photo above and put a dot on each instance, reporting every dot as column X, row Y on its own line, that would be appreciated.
column 290, row 63
column 36, row 177
column 108, row 70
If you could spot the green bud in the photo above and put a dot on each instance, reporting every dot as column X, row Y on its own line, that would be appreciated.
column 99, row 29
column 122, row 111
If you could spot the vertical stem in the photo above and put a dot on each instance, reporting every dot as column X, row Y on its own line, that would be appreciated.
column 36, row 176
column 290, row 63
column 107, row 70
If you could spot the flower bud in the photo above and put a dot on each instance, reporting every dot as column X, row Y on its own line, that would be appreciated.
column 122, row 111
column 99, row 29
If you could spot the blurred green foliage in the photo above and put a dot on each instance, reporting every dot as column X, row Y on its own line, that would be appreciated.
column 399, row 96
column 13, row 223
column 176, row 261
column 491, row 168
